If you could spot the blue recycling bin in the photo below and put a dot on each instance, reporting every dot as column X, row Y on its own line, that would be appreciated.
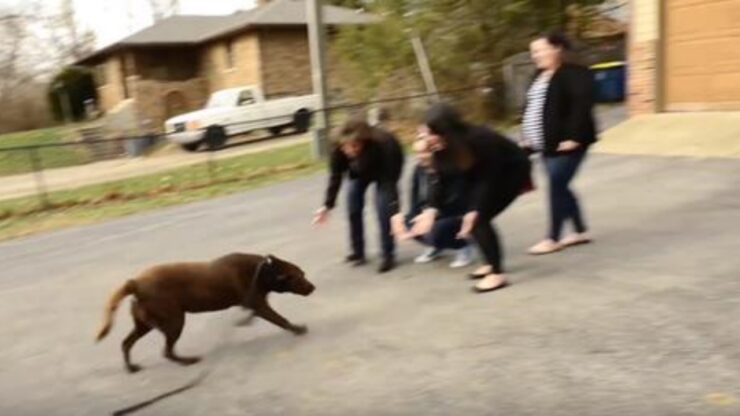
column 610, row 79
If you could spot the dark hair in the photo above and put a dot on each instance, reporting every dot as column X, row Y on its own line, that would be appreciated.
column 355, row 129
column 557, row 39
column 444, row 120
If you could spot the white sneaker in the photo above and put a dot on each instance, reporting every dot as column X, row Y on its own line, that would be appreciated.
column 463, row 258
column 428, row 256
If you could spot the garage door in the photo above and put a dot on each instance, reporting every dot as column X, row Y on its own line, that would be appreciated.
column 702, row 55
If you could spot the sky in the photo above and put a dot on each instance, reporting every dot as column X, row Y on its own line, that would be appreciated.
column 112, row 20
column 115, row 19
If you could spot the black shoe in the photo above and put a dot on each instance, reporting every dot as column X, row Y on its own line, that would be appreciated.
column 387, row 265
column 353, row 258
column 356, row 260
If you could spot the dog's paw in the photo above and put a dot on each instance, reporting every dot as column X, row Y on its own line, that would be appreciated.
column 245, row 321
column 190, row 360
column 299, row 330
column 133, row 368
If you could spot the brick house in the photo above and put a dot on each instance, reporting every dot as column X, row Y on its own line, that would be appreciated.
column 173, row 66
column 684, row 56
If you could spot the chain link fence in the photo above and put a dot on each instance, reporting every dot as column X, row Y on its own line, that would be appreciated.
column 95, row 170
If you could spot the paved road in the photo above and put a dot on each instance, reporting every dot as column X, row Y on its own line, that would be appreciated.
column 644, row 322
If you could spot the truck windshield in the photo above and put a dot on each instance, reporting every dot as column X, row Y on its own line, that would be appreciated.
column 221, row 99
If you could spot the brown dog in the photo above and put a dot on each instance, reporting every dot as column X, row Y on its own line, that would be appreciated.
column 163, row 294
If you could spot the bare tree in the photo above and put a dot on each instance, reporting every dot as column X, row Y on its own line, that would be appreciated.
column 13, row 36
column 70, row 41
column 22, row 91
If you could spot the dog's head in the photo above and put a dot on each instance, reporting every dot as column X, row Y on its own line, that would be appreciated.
column 282, row 276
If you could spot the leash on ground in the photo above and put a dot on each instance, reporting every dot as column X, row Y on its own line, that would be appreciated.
column 135, row 408
column 226, row 336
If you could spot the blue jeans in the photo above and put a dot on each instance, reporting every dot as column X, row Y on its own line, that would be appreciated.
column 563, row 202
column 443, row 235
column 356, row 207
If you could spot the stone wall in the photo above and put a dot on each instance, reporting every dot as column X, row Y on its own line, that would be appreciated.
column 286, row 62
column 111, row 93
column 643, row 78
column 644, row 41
column 155, row 98
column 246, row 59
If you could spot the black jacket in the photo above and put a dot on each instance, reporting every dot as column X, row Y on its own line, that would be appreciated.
column 498, row 164
column 380, row 161
column 568, row 113
column 452, row 191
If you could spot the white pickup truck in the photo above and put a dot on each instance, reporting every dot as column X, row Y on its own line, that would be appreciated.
column 237, row 111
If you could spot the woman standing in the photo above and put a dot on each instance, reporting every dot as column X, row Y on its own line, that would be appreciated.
column 496, row 171
column 558, row 122
column 366, row 155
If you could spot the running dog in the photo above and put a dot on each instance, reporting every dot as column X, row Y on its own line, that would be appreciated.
column 164, row 294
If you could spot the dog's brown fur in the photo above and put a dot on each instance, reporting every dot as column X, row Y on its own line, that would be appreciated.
column 163, row 294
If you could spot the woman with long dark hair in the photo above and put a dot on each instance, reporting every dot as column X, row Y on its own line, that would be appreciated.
column 496, row 171
column 558, row 122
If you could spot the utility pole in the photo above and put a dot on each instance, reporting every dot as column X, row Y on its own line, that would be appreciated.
column 317, row 44
column 426, row 70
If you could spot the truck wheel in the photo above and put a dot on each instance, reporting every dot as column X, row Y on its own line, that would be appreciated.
column 275, row 131
column 191, row 147
column 302, row 120
column 215, row 137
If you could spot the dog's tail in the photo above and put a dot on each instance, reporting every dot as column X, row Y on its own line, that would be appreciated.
column 110, row 308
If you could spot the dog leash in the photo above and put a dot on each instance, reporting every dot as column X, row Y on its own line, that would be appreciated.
column 153, row 400
column 197, row 380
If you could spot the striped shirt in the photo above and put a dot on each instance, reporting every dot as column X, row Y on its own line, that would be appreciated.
column 533, row 124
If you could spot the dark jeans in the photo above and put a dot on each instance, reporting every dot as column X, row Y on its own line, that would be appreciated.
column 356, row 207
column 484, row 231
column 444, row 234
column 563, row 202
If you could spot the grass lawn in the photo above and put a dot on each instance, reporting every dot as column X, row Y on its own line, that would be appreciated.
column 100, row 202
column 18, row 161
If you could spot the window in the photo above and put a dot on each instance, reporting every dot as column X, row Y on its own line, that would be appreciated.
column 230, row 61
column 245, row 98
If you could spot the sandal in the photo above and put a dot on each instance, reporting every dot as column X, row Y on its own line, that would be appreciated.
column 478, row 275
column 504, row 283
column 575, row 240
column 545, row 247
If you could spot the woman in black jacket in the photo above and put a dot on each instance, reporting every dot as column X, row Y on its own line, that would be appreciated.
column 496, row 171
column 558, row 122
column 366, row 155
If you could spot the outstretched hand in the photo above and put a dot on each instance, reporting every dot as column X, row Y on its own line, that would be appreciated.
column 321, row 216
column 424, row 222
column 398, row 227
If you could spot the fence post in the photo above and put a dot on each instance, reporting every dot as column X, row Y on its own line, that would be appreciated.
column 211, row 166
column 38, row 174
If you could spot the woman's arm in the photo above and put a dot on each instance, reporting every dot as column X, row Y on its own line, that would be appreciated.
column 579, row 90
column 338, row 165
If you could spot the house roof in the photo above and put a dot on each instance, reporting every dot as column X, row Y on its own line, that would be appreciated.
column 189, row 30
